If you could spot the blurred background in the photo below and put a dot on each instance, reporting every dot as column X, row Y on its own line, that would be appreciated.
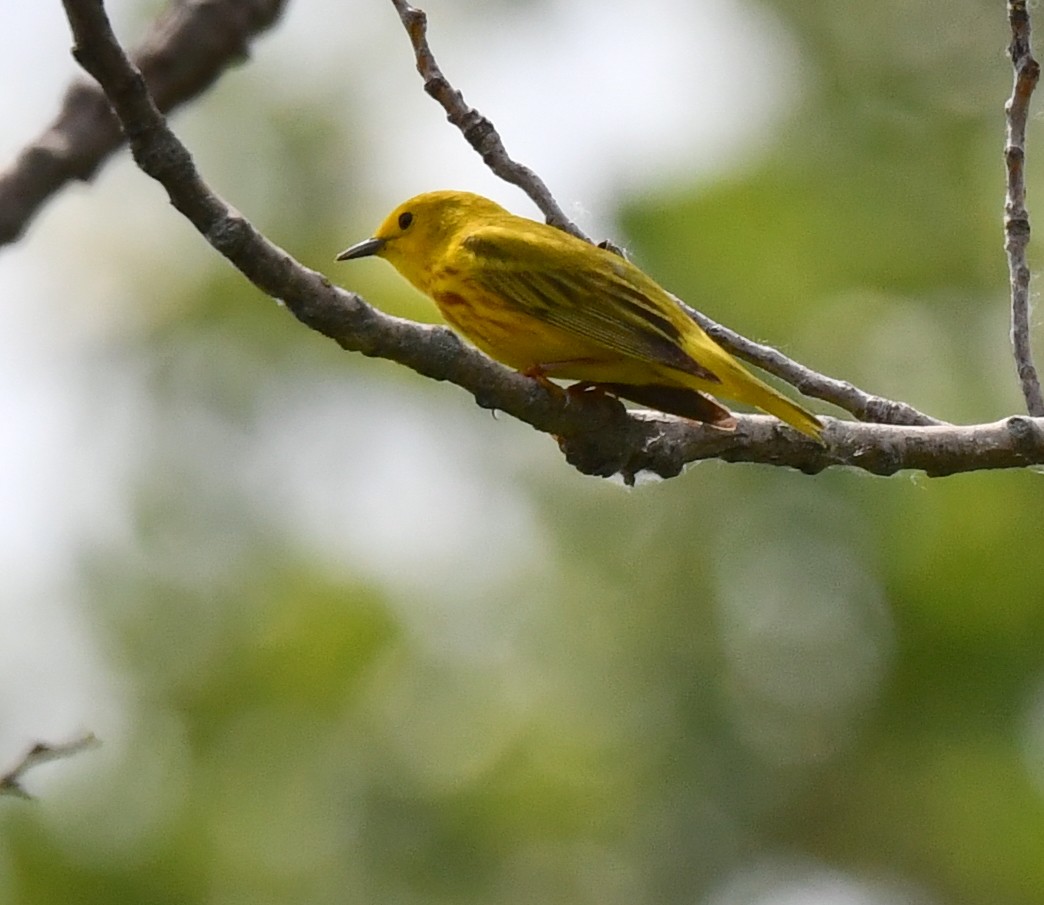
column 347, row 638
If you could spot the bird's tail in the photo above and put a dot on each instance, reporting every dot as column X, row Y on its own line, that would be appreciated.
column 759, row 394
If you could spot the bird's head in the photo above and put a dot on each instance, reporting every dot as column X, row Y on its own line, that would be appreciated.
column 417, row 233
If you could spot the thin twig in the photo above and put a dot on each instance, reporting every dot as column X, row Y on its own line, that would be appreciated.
column 863, row 405
column 41, row 753
column 597, row 435
column 1016, row 218
column 185, row 51
column 477, row 129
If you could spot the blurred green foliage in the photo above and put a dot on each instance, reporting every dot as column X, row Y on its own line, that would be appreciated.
column 375, row 646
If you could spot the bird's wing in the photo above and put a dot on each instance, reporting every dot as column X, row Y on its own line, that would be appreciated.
column 600, row 298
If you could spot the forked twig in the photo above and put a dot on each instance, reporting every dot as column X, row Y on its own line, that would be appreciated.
column 1016, row 218
column 41, row 753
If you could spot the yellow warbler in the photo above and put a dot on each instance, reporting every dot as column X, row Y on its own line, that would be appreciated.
column 551, row 305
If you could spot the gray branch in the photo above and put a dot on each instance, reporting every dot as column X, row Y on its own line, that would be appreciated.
column 476, row 128
column 865, row 406
column 188, row 47
column 1016, row 218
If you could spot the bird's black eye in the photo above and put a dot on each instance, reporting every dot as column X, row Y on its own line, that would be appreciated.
column 405, row 220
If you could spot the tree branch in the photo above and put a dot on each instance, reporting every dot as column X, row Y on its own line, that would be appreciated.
column 41, row 753
column 597, row 435
column 188, row 47
column 863, row 405
column 880, row 449
column 476, row 128
column 1016, row 218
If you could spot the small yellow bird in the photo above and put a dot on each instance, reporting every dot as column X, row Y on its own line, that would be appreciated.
column 551, row 305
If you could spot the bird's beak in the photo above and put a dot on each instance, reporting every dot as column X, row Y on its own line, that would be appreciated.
column 362, row 249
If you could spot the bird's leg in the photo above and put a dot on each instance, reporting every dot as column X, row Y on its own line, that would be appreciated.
column 584, row 392
column 586, row 389
column 539, row 374
column 545, row 369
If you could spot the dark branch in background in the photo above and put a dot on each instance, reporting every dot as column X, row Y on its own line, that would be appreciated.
column 185, row 51
column 478, row 130
column 1016, row 218
column 597, row 435
column 483, row 137
column 41, row 753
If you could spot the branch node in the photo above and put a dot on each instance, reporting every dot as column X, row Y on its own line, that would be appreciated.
column 1024, row 433
column 228, row 234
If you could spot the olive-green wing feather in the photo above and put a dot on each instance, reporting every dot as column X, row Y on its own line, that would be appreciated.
column 596, row 296
column 603, row 299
